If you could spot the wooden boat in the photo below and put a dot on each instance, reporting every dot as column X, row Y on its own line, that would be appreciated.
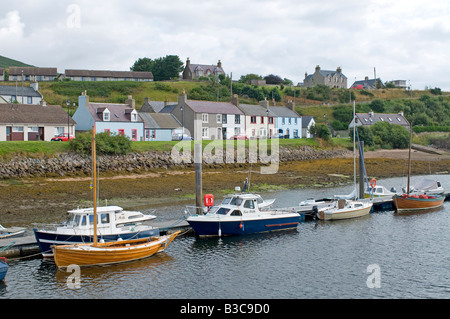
column 417, row 201
column 345, row 209
column 96, row 253
column 3, row 268
column 110, row 252
column 11, row 232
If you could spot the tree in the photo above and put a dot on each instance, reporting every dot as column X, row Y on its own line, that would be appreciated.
column 163, row 68
column 249, row 77
column 320, row 131
column 273, row 79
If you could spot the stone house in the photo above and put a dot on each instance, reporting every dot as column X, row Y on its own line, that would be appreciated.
column 334, row 79
column 195, row 71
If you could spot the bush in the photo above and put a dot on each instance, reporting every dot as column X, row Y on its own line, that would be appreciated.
column 321, row 131
column 106, row 144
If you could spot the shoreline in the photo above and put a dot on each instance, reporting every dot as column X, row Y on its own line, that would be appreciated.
column 47, row 199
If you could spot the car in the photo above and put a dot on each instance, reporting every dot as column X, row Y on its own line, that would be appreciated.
column 179, row 137
column 63, row 137
column 240, row 137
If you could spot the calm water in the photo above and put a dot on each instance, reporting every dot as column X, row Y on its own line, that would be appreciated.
column 318, row 260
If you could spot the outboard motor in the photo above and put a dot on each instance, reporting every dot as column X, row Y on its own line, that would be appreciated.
column 315, row 211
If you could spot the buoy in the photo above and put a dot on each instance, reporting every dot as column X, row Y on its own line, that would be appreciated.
column 241, row 226
column 373, row 182
column 208, row 200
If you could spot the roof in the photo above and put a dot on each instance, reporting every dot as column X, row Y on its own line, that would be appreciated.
column 372, row 118
column 255, row 110
column 159, row 120
column 33, row 114
column 282, row 111
column 12, row 90
column 112, row 74
column 168, row 108
column 365, row 83
column 213, row 107
column 118, row 112
column 306, row 120
column 155, row 106
column 204, row 67
column 17, row 70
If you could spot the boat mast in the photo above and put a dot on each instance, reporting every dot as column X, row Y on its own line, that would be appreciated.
column 409, row 157
column 354, row 146
column 94, row 176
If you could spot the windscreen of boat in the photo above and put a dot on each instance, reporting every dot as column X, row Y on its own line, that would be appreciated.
column 226, row 201
column 236, row 201
column 222, row 211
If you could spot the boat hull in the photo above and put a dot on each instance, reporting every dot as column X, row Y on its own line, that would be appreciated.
column 47, row 239
column 344, row 214
column 233, row 227
column 110, row 253
column 403, row 203
column 3, row 269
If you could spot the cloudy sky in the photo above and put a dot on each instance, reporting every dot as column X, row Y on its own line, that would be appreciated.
column 402, row 39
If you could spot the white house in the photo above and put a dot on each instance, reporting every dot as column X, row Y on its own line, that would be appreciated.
column 19, row 94
column 109, row 117
column 307, row 123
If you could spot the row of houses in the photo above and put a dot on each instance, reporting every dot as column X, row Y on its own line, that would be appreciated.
column 36, row 74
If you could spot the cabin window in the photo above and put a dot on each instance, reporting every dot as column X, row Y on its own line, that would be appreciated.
column 226, row 201
column 83, row 221
column 249, row 204
column 104, row 218
column 236, row 201
column 223, row 211
column 236, row 213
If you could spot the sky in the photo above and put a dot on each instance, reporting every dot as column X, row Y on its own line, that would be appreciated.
column 396, row 40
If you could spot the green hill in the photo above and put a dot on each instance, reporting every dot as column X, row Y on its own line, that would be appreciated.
column 7, row 62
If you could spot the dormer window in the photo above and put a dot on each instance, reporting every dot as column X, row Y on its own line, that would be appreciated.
column 134, row 116
column 106, row 115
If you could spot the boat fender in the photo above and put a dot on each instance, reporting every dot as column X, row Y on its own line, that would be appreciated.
column 373, row 182
column 241, row 225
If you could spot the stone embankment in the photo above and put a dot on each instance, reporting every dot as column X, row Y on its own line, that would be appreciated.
column 72, row 163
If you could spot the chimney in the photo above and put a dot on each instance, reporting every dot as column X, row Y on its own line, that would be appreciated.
column 182, row 96
column 35, row 86
column 264, row 103
column 366, row 78
column 400, row 113
column 43, row 103
column 290, row 105
column 317, row 68
column 166, row 102
column 235, row 99
column 131, row 102
column 188, row 62
column 338, row 70
column 219, row 64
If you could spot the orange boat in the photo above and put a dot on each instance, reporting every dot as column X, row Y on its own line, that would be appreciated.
column 417, row 202
column 111, row 252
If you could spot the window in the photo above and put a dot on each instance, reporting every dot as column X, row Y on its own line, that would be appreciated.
column 121, row 131
column 282, row 120
column 29, row 100
column 289, row 120
column 104, row 218
column 205, row 132
column 262, row 119
column 106, row 114
column 205, row 118
column 33, row 129
column 249, row 204
column 271, row 120
column 134, row 135
column 237, row 119
column 253, row 119
column 107, row 130
column 236, row 213
column 219, row 120
column 224, row 119
column 253, row 132
column 58, row 130
column 295, row 120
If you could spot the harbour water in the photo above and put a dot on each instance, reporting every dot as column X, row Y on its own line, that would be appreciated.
column 384, row 255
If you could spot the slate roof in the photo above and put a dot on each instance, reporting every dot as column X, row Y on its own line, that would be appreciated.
column 112, row 74
column 204, row 67
column 282, row 111
column 155, row 106
column 17, row 70
column 33, row 114
column 255, row 110
column 213, row 107
column 372, row 118
column 118, row 112
column 11, row 90
column 159, row 120
column 306, row 120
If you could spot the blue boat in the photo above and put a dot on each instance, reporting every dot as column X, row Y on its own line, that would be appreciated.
column 3, row 268
column 241, row 214
column 114, row 224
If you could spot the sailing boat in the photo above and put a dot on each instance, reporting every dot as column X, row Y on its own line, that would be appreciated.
column 346, row 207
column 417, row 201
column 110, row 252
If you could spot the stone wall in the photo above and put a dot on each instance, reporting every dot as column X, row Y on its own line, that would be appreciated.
column 72, row 163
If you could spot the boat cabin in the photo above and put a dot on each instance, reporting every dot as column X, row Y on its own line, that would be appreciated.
column 238, row 204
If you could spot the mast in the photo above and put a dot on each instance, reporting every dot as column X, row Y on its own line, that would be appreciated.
column 409, row 157
column 354, row 146
column 94, row 176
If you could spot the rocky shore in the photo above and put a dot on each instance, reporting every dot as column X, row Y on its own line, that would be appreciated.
column 70, row 164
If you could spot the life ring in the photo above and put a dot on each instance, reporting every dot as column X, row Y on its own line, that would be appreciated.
column 373, row 182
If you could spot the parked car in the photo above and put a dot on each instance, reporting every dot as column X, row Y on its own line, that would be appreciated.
column 179, row 137
column 63, row 137
column 240, row 137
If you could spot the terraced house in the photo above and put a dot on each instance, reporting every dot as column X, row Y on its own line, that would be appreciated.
column 101, row 75
column 32, row 74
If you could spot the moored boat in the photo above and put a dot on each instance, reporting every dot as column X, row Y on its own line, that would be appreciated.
column 3, row 268
column 11, row 232
column 110, row 253
column 345, row 209
column 417, row 202
column 114, row 223
column 241, row 214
